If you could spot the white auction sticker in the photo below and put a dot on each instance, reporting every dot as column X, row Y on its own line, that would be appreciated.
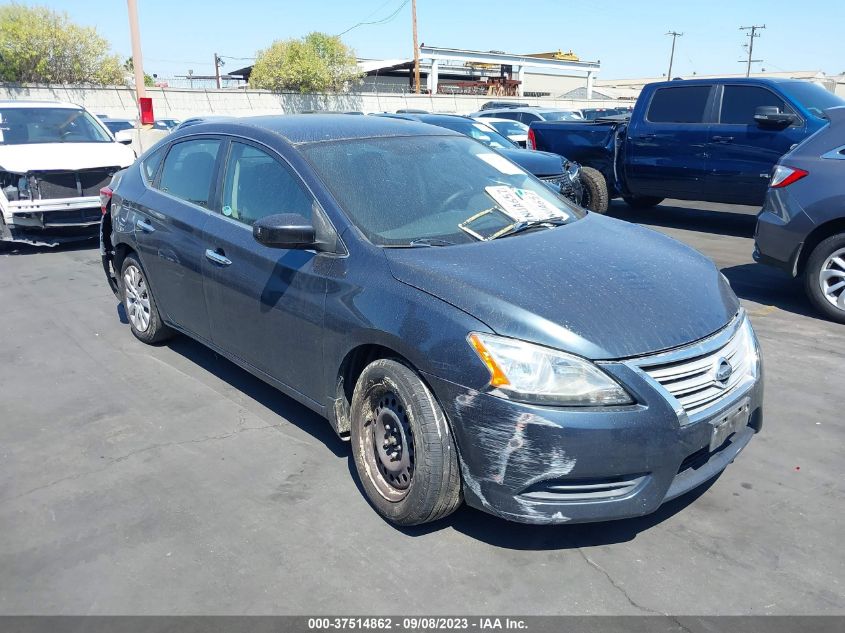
column 524, row 205
column 501, row 163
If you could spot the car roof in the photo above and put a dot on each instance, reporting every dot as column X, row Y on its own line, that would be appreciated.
column 753, row 81
column 494, row 119
column 313, row 128
column 40, row 104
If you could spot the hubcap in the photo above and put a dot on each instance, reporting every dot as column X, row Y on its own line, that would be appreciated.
column 137, row 298
column 832, row 279
column 391, row 447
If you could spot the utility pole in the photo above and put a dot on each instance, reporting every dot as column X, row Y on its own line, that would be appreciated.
column 750, row 45
column 675, row 35
column 137, row 60
column 217, row 63
column 416, row 47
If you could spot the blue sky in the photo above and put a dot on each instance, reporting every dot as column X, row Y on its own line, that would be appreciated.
column 628, row 37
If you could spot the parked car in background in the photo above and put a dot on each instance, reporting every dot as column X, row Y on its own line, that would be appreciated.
column 564, row 176
column 513, row 130
column 801, row 228
column 495, row 105
column 121, row 129
column 54, row 157
column 591, row 114
column 473, row 334
column 703, row 139
column 528, row 115
column 166, row 124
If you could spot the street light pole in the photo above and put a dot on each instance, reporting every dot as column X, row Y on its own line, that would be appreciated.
column 137, row 59
column 675, row 35
column 416, row 47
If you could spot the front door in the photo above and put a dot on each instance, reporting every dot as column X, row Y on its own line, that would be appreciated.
column 665, row 152
column 266, row 304
column 169, row 231
column 741, row 154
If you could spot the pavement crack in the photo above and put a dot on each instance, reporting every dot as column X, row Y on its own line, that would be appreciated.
column 617, row 586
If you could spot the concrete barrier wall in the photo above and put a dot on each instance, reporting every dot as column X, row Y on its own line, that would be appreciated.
column 178, row 103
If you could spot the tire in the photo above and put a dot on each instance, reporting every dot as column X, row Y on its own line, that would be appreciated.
column 138, row 301
column 642, row 202
column 827, row 260
column 411, row 475
column 595, row 196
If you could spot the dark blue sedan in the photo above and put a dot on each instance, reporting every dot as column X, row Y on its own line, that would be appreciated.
column 474, row 335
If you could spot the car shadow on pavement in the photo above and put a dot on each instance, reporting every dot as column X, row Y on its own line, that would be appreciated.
column 731, row 223
column 769, row 286
column 22, row 248
column 286, row 408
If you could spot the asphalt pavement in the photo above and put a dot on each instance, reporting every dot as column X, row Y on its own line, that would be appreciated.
column 166, row 480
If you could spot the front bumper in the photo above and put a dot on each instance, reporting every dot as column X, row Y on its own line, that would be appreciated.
column 50, row 221
column 542, row 465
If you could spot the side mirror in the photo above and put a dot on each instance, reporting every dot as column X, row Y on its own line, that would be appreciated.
column 284, row 230
column 124, row 141
column 771, row 116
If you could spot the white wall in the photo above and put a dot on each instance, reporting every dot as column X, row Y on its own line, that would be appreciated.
column 181, row 103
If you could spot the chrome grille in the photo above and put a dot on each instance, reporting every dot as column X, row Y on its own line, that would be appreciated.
column 689, row 374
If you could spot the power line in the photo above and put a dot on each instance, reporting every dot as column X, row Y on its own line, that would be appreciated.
column 750, row 45
column 382, row 21
column 675, row 35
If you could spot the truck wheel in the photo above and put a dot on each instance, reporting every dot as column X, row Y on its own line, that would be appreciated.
column 403, row 450
column 824, row 277
column 642, row 202
column 595, row 196
column 144, row 319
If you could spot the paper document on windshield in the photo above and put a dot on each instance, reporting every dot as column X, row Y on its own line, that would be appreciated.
column 524, row 205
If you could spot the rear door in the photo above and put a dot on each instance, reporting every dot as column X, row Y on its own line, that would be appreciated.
column 665, row 152
column 168, row 229
column 266, row 304
column 741, row 154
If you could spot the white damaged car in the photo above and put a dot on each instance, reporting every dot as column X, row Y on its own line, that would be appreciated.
column 54, row 158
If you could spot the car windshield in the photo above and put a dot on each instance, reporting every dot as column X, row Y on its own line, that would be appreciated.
column 118, row 126
column 813, row 97
column 557, row 115
column 479, row 131
column 431, row 190
column 509, row 128
column 28, row 126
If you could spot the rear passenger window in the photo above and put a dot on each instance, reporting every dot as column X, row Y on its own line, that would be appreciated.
column 257, row 185
column 151, row 163
column 189, row 169
column 739, row 103
column 679, row 105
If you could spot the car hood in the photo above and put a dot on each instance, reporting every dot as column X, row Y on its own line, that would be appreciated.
column 20, row 159
column 599, row 287
column 537, row 163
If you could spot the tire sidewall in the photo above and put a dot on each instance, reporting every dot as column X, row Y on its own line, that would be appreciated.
column 811, row 277
column 156, row 330
column 595, row 186
column 418, row 402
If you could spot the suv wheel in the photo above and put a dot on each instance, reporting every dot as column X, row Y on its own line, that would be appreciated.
column 402, row 447
column 824, row 277
column 595, row 197
column 138, row 301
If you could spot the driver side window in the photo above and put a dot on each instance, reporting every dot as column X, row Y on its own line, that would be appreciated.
column 257, row 185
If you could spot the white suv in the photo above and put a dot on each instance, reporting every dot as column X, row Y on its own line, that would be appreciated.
column 54, row 158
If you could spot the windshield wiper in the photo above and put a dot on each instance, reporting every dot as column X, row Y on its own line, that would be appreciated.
column 526, row 225
column 430, row 241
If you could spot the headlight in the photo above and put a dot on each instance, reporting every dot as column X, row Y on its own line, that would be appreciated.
column 541, row 375
column 752, row 346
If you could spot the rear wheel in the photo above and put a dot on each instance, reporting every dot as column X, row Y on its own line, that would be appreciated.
column 138, row 301
column 642, row 202
column 824, row 277
column 403, row 450
column 595, row 197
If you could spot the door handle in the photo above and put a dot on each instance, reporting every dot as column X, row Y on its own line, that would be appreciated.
column 217, row 257
column 723, row 139
column 145, row 225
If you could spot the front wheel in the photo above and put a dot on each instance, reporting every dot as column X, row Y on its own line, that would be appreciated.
column 595, row 196
column 403, row 450
column 642, row 202
column 824, row 277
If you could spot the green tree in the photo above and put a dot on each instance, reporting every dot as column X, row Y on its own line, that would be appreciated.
column 314, row 63
column 129, row 67
column 39, row 45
